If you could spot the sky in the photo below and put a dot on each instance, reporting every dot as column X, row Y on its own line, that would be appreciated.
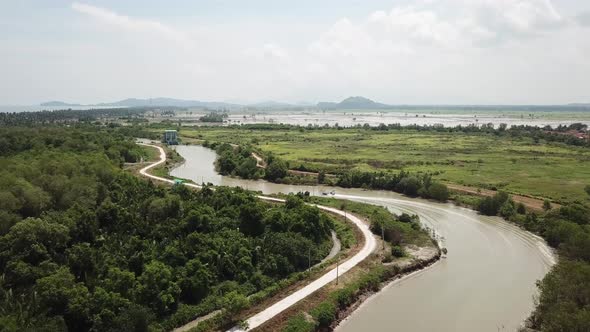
column 397, row 51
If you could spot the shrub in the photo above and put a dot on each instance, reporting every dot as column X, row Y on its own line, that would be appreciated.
column 438, row 191
column 520, row 208
column 490, row 206
column 507, row 209
column 397, row 251
column 325, row 313
column 299, row 323
column 404, row 217
column 344, row 297
column 546, row 205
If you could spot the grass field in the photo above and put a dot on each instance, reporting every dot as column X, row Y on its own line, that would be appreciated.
column 517, row 165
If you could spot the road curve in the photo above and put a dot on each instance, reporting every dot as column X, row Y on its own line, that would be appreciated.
column 270, row 312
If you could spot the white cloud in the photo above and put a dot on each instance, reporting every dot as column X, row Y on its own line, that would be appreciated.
column 425, row 51
column 132, row 24
column 452, row 49
column 450, row 25
column 268, row 51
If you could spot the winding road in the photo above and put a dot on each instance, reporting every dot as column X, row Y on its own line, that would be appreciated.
column 486, row 283
column 270, row 312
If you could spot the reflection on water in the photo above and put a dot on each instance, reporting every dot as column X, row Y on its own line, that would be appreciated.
column 487, row 283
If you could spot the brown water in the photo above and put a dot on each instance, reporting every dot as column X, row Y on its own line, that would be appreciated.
column 487, row 283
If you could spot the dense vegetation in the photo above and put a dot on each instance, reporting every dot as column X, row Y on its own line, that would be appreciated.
column 85, row 246
column 398, row 230
column 214, row 117
column 238, row 161
column 72, row 116
column 405, row 183
column 515, row 154
column 527, row 161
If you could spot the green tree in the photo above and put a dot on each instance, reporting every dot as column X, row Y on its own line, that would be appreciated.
column 409, row 186
column 233, row 302
column 321, row 177
column 62, row 295
column 247, row 169
column 134, row 318
column 546, row 205
column 507, row 209
column 324, row 313
column 438, row 191
column 157, row 287
column 196, row 281
column 81, row 260
column 276, row 170
column 564, row 299
column 119, row 281
column 520, row 208
column 34, row 240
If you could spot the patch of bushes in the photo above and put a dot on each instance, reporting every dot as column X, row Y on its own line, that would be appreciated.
column 397, row 251
column 299, row 323
column 402, row 182
column 324, row 313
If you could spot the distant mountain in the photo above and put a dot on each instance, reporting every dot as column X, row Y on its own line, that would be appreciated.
column 56, row 103
column 353, row 103
column 348, row 103
column 274, row 105
column 134, row 102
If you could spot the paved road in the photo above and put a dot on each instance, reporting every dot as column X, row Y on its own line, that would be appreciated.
column 275, row 309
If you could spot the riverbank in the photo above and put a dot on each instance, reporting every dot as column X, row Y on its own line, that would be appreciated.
column 469, row 238
column 288, row 301
column 459, row 194
column 405, row 271
column 365, row 280
column 326, row 309
column 513, row 162
column 173, row 160
column 403, row 267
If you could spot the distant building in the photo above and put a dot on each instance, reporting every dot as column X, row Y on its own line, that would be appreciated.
column 170, row 137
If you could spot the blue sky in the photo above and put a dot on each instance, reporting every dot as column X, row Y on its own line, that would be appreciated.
column 405, row 51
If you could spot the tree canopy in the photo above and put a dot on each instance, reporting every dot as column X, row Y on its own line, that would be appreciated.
column 86, row 246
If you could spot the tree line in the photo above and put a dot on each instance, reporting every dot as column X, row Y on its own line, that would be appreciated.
column 403, row 182
column 86, row 246
column 214, row 117
column 561, row 133
column 238, row 161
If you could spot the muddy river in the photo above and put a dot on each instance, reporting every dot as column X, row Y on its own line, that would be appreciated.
column 487, row 282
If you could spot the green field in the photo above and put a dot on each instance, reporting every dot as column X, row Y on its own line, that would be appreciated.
column 517, row 165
